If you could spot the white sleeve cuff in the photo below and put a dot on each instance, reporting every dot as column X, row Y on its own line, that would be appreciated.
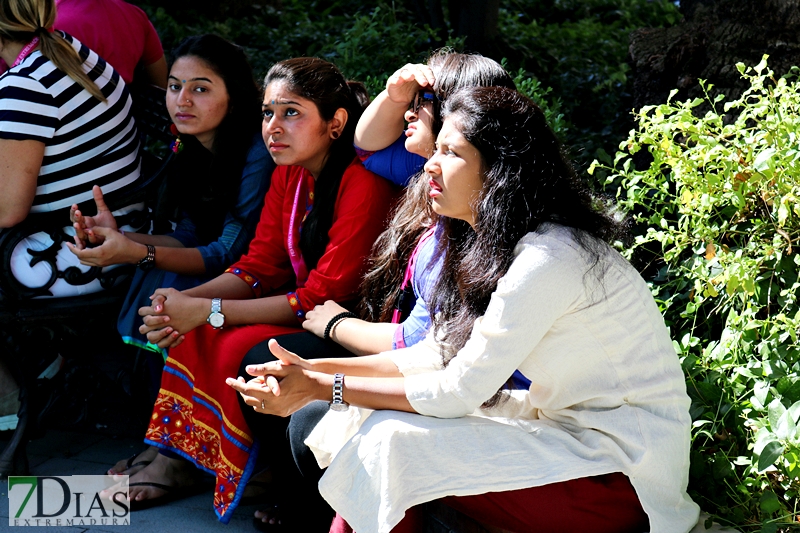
column 421, row 358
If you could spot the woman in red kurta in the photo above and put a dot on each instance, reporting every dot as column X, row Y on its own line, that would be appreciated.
column 320, row 218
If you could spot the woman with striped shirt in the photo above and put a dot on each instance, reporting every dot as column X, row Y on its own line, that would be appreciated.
column 65, row 125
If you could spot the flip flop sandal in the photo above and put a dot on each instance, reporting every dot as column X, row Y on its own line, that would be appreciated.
column 172, row 494
column 129, row 464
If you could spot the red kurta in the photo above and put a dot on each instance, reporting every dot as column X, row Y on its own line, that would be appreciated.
column 196, row 414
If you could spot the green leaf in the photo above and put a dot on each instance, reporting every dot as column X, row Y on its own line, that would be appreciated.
column 761, row 64
column 769, row 527
column 769, row 502
column 775, row 410
column 786, row 427
column 760, row 391
column 794, row 411
column 793, row 392
column 771, row 452
column 783, row 214
column 763, row 159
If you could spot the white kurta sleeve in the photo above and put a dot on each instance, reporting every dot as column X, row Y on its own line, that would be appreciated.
column 545, row 281
column 417, row 359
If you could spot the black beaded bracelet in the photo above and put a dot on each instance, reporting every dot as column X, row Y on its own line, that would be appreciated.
column 335, row 320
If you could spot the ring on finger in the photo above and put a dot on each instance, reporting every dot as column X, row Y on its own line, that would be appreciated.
column 263, row 406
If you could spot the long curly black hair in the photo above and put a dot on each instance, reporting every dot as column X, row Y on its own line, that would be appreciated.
column 527, row 181
column 381, row 285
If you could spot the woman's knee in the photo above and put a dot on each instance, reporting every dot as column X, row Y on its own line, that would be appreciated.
column 301, row 425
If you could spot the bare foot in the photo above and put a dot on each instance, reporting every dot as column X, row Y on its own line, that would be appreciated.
column 164, row 471
column 271, row 514
column 128, row 467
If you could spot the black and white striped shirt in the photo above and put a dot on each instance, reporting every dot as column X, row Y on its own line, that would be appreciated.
column 87, row 141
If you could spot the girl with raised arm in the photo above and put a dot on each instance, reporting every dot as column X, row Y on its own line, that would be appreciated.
column 404, row 266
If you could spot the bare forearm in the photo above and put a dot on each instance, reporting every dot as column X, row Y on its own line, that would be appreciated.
column 270, row 310
column 225, row 286
column 238, row 304
column 187, row 312
column 380, row 124
column 155, row 240
column 378, row 366
column 157, row 72
column 171, row 255
column 20, row 162
column 363, row 338
column 367, row 392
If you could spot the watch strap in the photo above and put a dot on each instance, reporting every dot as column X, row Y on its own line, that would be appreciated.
column 149, row 260
column 337, row 401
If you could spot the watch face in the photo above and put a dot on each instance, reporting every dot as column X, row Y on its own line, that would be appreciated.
column 216, row 320
column 339, row 406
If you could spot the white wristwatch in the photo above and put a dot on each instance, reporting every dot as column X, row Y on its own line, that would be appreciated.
column 338, row 403
column 216, row 318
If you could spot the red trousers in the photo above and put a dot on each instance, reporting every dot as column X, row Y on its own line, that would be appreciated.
column 600, row 504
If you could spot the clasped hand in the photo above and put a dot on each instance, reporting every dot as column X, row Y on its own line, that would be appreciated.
column 280, row 387
column 170, row 316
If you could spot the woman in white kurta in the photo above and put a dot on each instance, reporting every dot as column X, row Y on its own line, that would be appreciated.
column 607, row 394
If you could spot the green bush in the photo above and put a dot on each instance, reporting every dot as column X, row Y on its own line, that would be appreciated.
column 368, row 43
column 716, row 200
column 580, row 49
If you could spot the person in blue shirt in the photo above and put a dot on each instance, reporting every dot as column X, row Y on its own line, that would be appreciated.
column 212, row 196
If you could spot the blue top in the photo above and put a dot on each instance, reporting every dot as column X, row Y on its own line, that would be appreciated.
column 426, row 271
column 394, row 162
column 414, row 328
column 239, row 228
column 240, row 223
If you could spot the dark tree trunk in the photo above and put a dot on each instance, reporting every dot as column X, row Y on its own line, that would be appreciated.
column 474, row 19
column 707, row 44
column 430, row 13
column 477, row 21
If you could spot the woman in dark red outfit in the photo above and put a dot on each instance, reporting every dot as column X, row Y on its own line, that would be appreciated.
column 321, row 216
